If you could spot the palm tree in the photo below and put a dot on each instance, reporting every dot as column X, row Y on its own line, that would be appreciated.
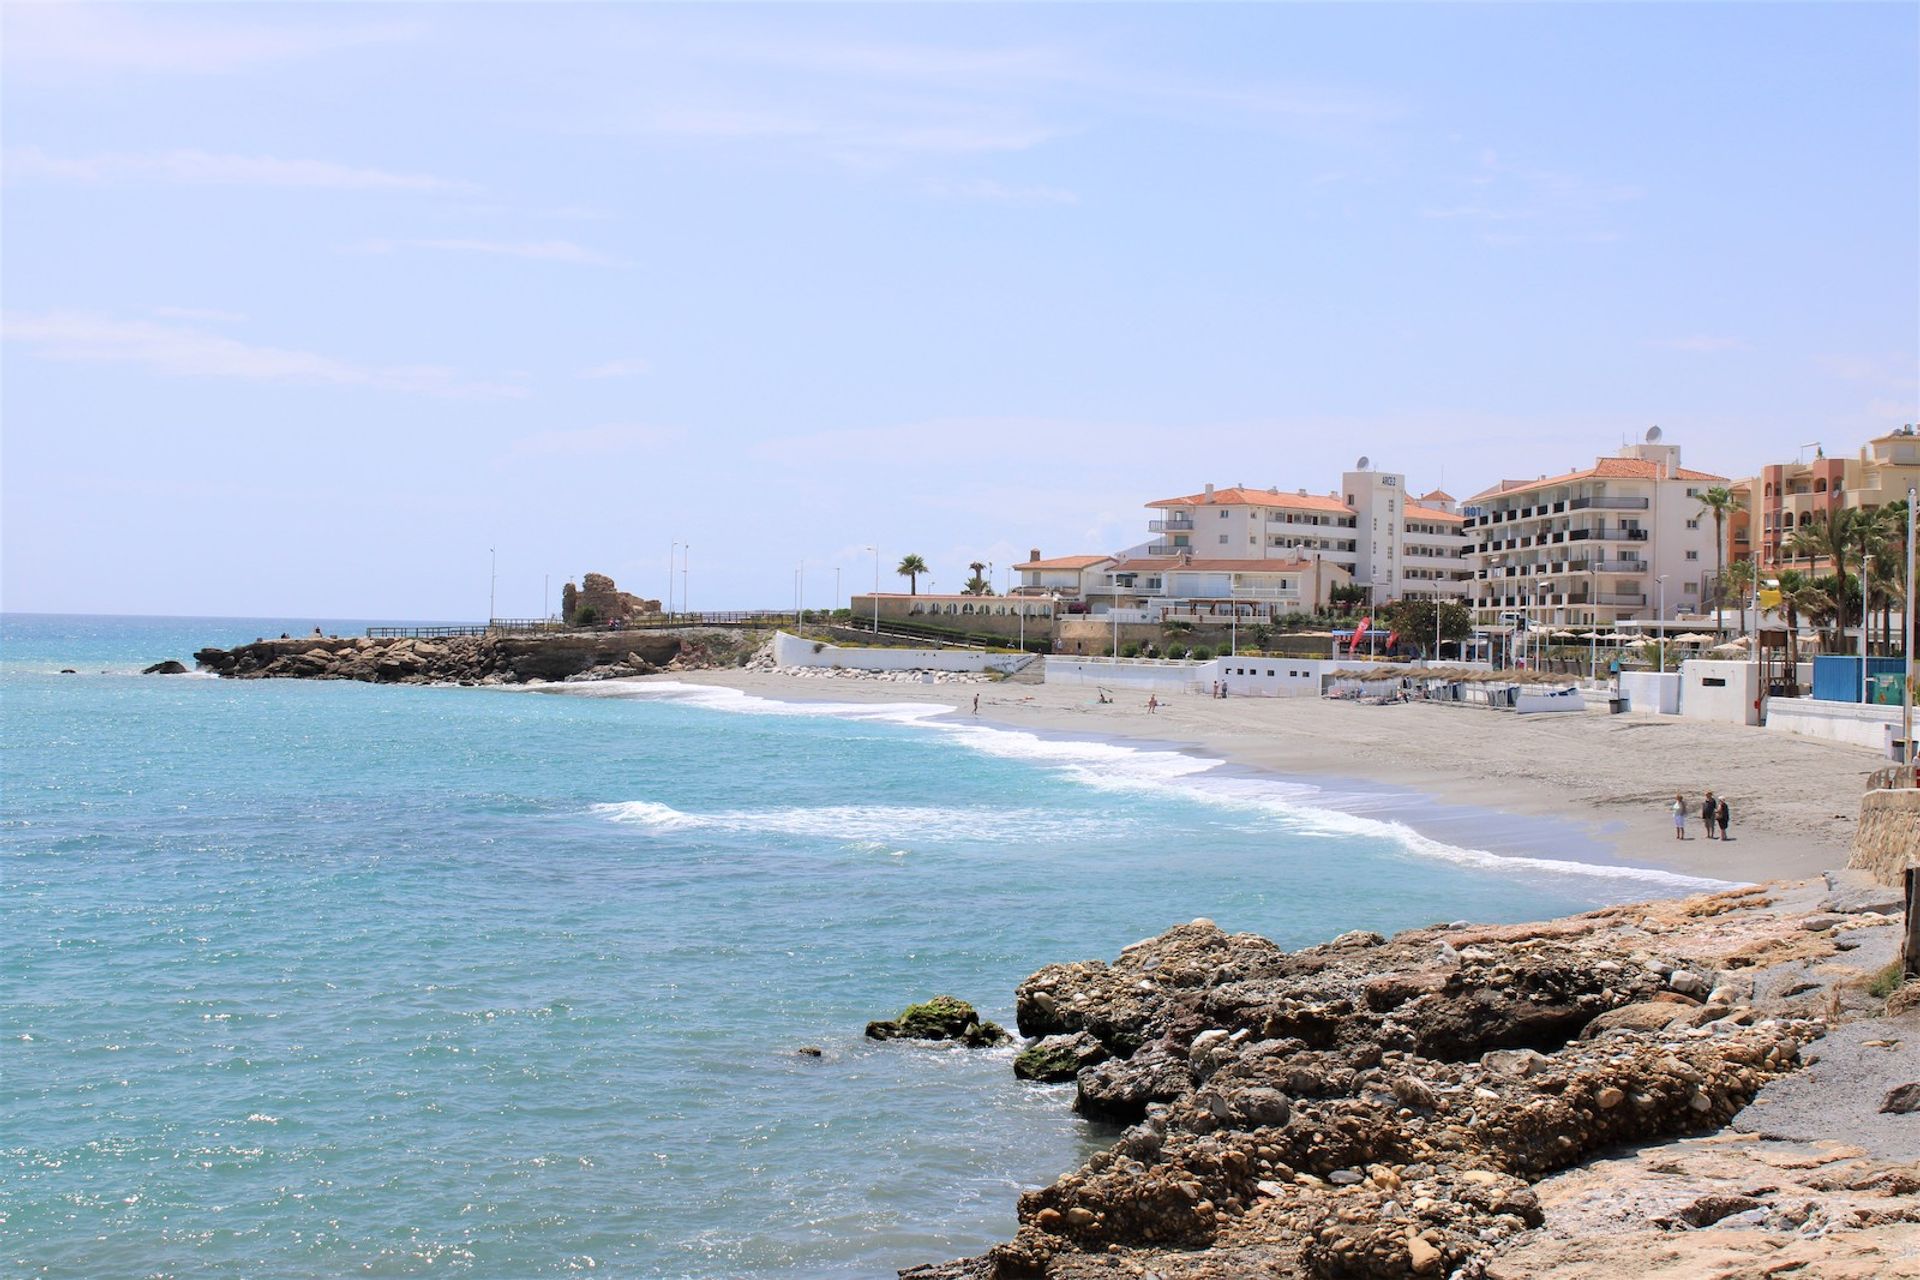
column 911, row 567
column 1722, row 502
column 977, row 585
column 1742, row 576
column 1799, row 594
column 1829, row 538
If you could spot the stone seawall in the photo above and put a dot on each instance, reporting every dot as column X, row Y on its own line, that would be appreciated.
column 1887, row 841
column 501, row 659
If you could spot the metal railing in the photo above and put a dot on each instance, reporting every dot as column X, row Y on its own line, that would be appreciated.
column 1893, row 778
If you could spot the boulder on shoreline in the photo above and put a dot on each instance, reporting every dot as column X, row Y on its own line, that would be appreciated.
column 486, row 659
column 1375, row 1107
column 941, row 1018
column 171, row 667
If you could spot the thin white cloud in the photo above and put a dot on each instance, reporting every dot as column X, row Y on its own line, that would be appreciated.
column 64, row 39
column 1704, row 343
column 535, row 250
column 1518, row 204
column 632, row 367
column 203, row 168
column 988, row 191
column 183, row 352
column 205, row 315
column 600, row 441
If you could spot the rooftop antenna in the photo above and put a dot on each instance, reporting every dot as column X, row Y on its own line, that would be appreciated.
column 1362, row 464
column 1653, row 435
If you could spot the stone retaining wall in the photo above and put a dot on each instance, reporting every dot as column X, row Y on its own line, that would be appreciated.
column 1888, row 837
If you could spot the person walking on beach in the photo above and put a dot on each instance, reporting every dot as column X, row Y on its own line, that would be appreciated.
column 1723, row 816
column 976, row 704
column 1708, row 812
column 1153, row 703
column 1679, row 817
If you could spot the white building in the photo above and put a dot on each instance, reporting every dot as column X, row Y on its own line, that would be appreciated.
column 1397, row 547
column 1623, row 539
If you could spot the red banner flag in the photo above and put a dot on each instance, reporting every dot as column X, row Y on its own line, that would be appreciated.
column 1358, row 631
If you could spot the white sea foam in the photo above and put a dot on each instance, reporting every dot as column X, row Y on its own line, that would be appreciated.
column 876, row 828
column 1301, row 808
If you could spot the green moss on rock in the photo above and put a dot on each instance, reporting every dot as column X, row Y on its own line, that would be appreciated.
column 941, row 1018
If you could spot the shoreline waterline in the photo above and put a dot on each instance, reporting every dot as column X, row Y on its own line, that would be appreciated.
column 1422, row 824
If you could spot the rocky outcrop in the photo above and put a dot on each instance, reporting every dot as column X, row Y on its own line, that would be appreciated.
column 941, row 1018
column 171, row 667
column 488, row 659
column 596, row 601
column 1375, row 1107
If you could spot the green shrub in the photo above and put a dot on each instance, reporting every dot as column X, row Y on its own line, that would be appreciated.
column 1130, row 649
column 585, row 616
column 1200, row 653
column 1885, row 982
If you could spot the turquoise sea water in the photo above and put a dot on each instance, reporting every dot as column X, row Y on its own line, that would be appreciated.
column 314, row 979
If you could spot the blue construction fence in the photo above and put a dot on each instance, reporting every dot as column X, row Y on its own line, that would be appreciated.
column 1836, row 678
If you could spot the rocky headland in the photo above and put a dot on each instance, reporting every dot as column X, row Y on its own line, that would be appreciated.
column 1597, row 1096
column 486, row 659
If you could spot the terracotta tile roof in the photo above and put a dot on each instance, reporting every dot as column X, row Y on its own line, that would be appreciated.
column 1243, row 497
column 1162, row 564
column 1603, row 469
column 1438, row 495
column 1062, row 562
column 1434, row 513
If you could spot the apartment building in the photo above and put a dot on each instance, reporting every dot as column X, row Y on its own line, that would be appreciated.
column 1789, row 495
column 1395, row 546
column 1623, row 539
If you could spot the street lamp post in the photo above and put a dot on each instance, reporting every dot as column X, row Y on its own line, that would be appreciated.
column 875, row 548
column 1660, row 611
column 1866, row 559
column 1906, row 644
column 686, row 557
column 493, row 581
column 673, row 554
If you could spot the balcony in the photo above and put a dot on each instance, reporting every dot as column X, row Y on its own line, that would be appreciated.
column 1167, row 548
column 1608, row 504
column 1619, row 597
column 1619, row 566
column 1171, row 524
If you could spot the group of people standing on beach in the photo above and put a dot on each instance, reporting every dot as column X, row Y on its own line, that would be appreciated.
column 1713, row 813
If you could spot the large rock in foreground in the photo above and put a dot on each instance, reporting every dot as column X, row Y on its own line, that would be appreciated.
column 1363, row 1108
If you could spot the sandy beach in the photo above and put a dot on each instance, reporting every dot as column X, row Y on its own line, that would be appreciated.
column 1794, row 801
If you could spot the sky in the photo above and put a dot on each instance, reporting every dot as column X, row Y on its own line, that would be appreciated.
column 370, row 311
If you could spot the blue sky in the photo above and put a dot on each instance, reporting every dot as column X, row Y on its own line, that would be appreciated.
column 308, row 307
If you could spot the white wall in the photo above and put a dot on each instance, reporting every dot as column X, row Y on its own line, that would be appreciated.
column 1730, row 701
column 1531, row 701
column 1272, row 677
column 792, row 651
column 1144, row 674
column 1873, row 727
column 1654, row 691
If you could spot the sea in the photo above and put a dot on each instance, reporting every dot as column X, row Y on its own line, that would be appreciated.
column 315, row 979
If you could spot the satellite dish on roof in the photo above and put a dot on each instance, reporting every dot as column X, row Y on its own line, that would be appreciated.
column 1362, row 464
column 1653, row 435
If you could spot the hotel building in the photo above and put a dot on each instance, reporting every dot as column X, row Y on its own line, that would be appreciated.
column 1788, row 495
column 1395, row 546
column 1620, row 540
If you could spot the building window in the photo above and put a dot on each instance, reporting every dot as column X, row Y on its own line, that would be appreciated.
column 1693, row 555
column 1223, row 515
column 1223, row 539
column 1693, row 524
